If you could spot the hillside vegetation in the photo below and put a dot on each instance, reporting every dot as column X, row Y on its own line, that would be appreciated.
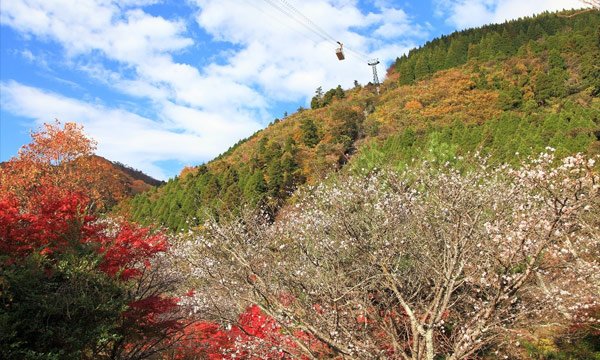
column 453, row 213
column 507, row 91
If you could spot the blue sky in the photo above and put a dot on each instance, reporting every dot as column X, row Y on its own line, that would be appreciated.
column 164, row 84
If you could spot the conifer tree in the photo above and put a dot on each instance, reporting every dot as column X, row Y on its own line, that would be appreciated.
column 407, row 72
column 310, row 135
column 457, row 53
column 422, row 69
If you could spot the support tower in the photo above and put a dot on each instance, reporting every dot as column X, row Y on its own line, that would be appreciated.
column 373, row 63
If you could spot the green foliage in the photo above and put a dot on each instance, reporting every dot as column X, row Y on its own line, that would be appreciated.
column 57, row 310
column 315, row 103
column 310, row 133
column 347, row 124
column 511, row 98
column 505, row 139
column 586, row 347
column 270, row 175
column 321, row 100
column 551, row 84
column 500, row 41
column 407, row 73
column 422, row 68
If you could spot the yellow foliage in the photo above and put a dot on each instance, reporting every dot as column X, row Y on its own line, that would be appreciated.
column 413, row 105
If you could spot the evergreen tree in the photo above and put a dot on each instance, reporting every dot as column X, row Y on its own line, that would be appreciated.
column 422, row 69
column 407, row 72
column 457, row 53
column 328, row 97
column 511, row 98
column 437, row 61
column 316, row 101
column 288, row 168
column 505, row 46
column 232, row 199
column 555, row 60
column 275, row 183
column 310, row 135
column 473, row 51
column 255, row 187
column 339, row 92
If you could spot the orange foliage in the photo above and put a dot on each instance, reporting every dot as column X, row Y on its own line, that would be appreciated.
column 413, row 105
column 61, row 156
column 187, row 170
column 448, row 96
column 45, row 160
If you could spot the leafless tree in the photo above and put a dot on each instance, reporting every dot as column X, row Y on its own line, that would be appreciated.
column 430, row 262
column 593, row 3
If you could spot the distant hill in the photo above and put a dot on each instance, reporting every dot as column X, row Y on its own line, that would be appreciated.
column 136, row 175
column 506, row 90
column 116, row 182
column 128, row 181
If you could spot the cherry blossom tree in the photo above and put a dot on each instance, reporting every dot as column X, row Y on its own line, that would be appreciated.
column 593, row 3
column 430, row 262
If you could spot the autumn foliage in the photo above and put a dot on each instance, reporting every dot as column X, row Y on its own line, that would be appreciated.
column 71, row 284
column 254, row 335
column 61, row 156
column 415, row 252
column 74, row 285
column 47, row 161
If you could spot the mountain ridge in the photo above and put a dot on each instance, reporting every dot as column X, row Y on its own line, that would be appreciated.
column 537, row 91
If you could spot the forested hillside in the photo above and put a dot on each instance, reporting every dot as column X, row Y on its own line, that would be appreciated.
column 507, row 91
column 453, row 212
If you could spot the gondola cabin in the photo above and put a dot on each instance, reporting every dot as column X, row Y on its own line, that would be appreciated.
column 340, row 52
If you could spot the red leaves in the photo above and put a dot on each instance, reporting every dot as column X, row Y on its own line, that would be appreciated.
column 253, row 323
column 51, row 221
column 255, row 336
column 131, row 245
column 148, row 314
column 204, row 340
column 48, row 222
column 47, row 194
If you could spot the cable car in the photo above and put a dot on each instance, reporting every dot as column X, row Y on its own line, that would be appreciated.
column 340, row 51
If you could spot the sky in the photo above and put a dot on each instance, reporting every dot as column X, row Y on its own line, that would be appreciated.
column 164, row 84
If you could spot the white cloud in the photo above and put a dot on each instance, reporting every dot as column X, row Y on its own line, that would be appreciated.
column 197, row 111
column 287, row 56
column 472, row 13
column 128, row 137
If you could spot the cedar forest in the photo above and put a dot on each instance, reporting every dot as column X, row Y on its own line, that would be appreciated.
column 451, row 213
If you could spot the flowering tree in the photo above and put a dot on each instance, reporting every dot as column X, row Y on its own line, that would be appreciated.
column 593, row 3
column 431, row 262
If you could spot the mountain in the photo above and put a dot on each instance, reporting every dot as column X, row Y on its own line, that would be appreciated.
column 122, row 180
column 507, row 90
column 139, row 182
